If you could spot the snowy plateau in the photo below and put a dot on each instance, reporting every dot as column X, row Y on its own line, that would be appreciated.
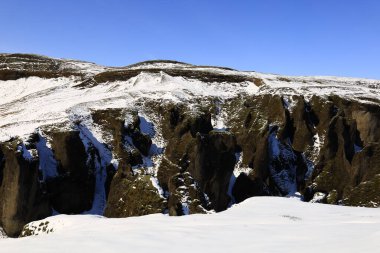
column 172, row 157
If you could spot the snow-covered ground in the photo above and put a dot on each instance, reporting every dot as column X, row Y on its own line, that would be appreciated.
column 29, row 103
column 260, row 224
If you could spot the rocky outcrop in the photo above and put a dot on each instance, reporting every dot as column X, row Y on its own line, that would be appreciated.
column 72, row 191
column 318, row 145
column 30, row 189
column 191, row 145
column 22, row 196
column 186, row 197
column 349, row 157
column 266, row 140
column 133, row 196
column 313, row 147
column 213, row 166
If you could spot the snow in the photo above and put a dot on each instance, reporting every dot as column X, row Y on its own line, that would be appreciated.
column 156, row 185
column 318, row 197
column 318, row 143
column 2, row 233
column 357, row 148
column 47, row 163
column 27, row 154
column 219, row 120
column 29, row 103
column 363, row 90
column 146, row 127
column 101, row 160
column 261, row 224
column 81, row 66
column 153, row 159
column 289, row 103
column 160, row 65
column 239, row 168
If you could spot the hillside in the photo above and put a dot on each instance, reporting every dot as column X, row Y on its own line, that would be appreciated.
column 175, row 138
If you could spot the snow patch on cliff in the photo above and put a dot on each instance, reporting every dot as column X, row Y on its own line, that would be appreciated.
column 48, row 164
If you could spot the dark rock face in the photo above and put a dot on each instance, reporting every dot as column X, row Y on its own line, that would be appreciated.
column 246, row 187
column 27, row 195
column 349, row 158
column 200, row 124
column 111, row 121
column 2, row 165
column 22, row 197
column 283, row 150
column 73, row 190
column 280, row 146
column 213, row 166
column 133, row 196
column 186, row 196
column 180, row 129
column 197, row 161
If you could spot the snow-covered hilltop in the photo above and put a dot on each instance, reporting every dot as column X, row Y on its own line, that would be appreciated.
column 170, row 137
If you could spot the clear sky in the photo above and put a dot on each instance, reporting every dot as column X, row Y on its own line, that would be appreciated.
column 292, row 37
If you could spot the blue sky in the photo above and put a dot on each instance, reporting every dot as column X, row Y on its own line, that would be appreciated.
column 293, row 37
